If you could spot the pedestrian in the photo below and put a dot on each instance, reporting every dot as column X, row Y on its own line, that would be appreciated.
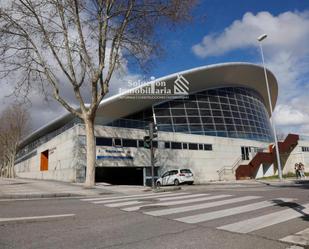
column 296, row 167
column 302, row 170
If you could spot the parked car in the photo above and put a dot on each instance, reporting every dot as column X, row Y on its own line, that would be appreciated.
column 176, row 177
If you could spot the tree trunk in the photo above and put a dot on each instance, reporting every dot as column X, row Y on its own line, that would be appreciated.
column 91, row 153
column 13, row 175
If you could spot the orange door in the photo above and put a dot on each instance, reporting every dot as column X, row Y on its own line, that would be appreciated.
column 44, row 160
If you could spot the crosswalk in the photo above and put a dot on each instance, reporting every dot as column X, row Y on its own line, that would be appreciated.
column 244, row 214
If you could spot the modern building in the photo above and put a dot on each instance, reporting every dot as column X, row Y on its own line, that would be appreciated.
column 212, row 119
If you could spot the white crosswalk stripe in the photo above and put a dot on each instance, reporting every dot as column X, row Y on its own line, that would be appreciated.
column 300, row 238
column 228, row 212
column 192, row 209
column 143, row 198
column 172, row 203
column 202, row 206
column 260, row 222
column 121, row 204
column 121, row 197
column 128, row 203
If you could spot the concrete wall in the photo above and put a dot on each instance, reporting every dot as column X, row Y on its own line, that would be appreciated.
column 296, row 156
column 67, row 159
column 204, row 164
column 62, row 161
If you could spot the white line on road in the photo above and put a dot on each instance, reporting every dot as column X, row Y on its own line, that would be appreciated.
column 260, row 222
column 181, row 197
column 300, row 238
column 121, row 197
column 129, row 203
column 201, row 206
column 121, row 204
column 171, row 203
column 139, row 198
column 229, row 212
column 35, row 217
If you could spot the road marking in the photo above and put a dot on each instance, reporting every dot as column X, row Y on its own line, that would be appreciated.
column 120, row 197
column 35, row 217
column 300, row 238
column 181, row 197
column 121, row 204
column 139, row 198
column 229, row 212
column 171, row 203
column 201, row 206
column 128, row 203
column 260, row 222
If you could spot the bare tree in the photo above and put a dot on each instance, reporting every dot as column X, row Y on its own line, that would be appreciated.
column 80, row 43
column 14, row 122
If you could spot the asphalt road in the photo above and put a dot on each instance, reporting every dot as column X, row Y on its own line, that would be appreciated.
column 215, row 217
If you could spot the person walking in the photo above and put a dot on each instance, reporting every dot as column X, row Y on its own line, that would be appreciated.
column 302, row 170
column 296, row 167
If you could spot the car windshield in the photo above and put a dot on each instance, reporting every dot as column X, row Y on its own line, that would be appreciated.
column 185, row 171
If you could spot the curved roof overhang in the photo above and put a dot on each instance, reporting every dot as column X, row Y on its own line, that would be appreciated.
column 200, row 78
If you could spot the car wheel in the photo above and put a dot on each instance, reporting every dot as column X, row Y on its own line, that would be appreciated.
column 176, row 182
column 158, row 184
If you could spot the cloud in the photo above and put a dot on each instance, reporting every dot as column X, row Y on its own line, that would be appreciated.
column 286, row 53
column 285, row 31
column 286, row 115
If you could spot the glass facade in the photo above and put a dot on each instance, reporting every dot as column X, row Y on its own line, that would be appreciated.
column 235, row 112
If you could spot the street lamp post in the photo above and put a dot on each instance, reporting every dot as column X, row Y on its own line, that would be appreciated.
column 260, row 39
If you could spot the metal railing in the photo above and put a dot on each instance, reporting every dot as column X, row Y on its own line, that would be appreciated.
column 229, row 169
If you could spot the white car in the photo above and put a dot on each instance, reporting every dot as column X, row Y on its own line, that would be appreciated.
column 176, row 177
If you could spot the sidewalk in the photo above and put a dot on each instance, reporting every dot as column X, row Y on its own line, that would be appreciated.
column 286, row 182
column 28, row 188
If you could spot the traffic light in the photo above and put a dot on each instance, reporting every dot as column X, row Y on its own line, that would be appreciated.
column 155, row 131
column 147, row 142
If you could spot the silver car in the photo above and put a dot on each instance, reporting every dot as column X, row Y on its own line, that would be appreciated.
column 176, row 177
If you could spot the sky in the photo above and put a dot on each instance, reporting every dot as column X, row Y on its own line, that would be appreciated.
column 226, row 31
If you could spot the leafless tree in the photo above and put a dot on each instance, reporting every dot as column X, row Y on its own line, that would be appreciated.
column 14, row 122
column 80, row 43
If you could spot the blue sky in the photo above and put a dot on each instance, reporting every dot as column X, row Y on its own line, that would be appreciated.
column 224, row 31
column 217, row 15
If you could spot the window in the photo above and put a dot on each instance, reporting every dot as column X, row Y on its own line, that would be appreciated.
column 178, row 112
column 117, row 141
column 305, row 149
column 193, row 146
column 167, row 145
column 129, row 143
column 184, row 146
column 192, row 112
column 173, row 172
column 185, row 171
column 140, row 143
column 180, row 120
column 104, row 141
column 165, row 174
column 155, row 144
column 200, row 147
column 176, row 145
column 207, row 147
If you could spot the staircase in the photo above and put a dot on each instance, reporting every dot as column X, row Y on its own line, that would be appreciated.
column 228, row 172
column 249, row 171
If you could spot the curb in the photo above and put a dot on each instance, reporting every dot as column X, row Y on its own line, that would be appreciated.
column 37, row 196
column 166, row 189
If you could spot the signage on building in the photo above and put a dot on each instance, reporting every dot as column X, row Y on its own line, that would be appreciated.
column 115, row 153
